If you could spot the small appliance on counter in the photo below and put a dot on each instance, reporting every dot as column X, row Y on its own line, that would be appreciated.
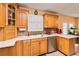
column 59, row 31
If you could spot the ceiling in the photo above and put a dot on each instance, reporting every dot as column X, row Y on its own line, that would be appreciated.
column 70, row 9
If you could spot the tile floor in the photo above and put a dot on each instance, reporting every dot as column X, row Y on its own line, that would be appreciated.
column 57, row 53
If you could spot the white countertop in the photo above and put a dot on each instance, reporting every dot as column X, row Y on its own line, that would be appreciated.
column 11, row 42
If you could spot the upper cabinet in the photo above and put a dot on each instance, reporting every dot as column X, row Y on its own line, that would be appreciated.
column 7, row 14
column 66, row 19
column 11, row 14
column 49, row 21
column 22, row 20
column 78, row 23
column 2, row 15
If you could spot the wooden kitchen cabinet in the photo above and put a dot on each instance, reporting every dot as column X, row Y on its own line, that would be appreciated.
column 49, row 21
column 7, row 14
column 21, row 48
column 31, row 47
column 43, row 45
column 69, row 48
column 12, row 51
column 56, row 22
column 35, row 47
column 38, row 46
column 1, row 35
column 4, row 51
column 22, row 19
column 59, row 43
column 66, row 46
column 2, row 15
column 7, row 20
column 16, row 50
column 26, row 47
column 10, row 32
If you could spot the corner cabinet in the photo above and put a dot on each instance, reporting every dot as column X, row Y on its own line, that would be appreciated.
column 22, row 19
column 66, row 46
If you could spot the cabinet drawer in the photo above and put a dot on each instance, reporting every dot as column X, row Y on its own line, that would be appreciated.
column 26, row 42
column 35, row 48
column 35, row 40
column 43, row 39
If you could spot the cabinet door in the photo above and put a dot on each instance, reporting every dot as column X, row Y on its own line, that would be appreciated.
column 49, row 21
column 56, row 23
column 10, row 32
column 66, row 46
column 1, row 35
column 43, row 46
column 19, row 47
column 12, row 51
column 35, row 48
column 59, row 43
column 26, row 48
column 21, row 18
column 3, row 51
column 16, row 50
column 46, row 21
column 2, row 15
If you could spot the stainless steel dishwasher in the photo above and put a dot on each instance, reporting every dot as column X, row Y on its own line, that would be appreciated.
column 51, row 44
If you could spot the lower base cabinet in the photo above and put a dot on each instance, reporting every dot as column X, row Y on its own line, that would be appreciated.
column 35, row 47
column 38, row 46
column 26, row 48
column 66, row 46
column 9, row 33
column 3, row 51
column 31, row 47
column 43, row 46
column 16, row 50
